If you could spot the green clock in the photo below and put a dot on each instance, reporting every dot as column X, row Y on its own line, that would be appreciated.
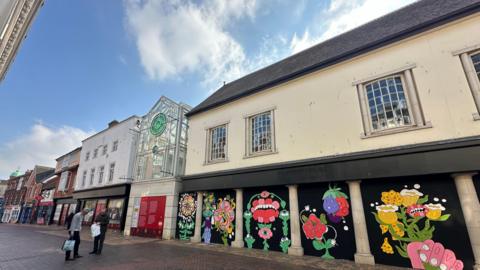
column 159, row 123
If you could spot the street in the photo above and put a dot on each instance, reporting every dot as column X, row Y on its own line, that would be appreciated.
column 23, row 247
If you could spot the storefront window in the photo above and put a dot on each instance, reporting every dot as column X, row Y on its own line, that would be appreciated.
column 115, row 210
column 90, row 205
column 58, row 211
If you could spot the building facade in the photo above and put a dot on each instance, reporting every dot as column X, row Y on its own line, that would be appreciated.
column 160, row 161
column 15, row 196
column 16, row 17
column 106, row 171
column 66, row 170
column 46, row 205
column 364, row 147
column 3, row 188
column 33, row 193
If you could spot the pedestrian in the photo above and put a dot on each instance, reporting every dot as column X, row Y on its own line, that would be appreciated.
column 102, row 220
column 74, row 232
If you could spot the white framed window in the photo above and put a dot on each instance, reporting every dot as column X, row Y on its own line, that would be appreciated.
column 260, row 134
column 87, row 156
column 20, row 183
column 470, row 58
column 63, row 181
column 111, row 171
column 115, row 146
column 92, row 176
column 217, row 143
column 95, row 153
column 84, row 178
column 389, row 103
column 100, row 174
column 104, row 150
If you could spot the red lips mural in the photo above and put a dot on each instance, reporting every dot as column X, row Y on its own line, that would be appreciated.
column 265, row 210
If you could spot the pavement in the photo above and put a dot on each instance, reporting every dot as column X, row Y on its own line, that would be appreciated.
column 38, row 247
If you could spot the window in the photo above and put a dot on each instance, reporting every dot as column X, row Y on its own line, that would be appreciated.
column 20, row 183
column 63, row 181
column 84, row 178
column 87, row 156
column 92, row 175
column 95, row 153
column 111, row 171
column 100, row 174
column 260, row 139
column 217, row 143
column 476, row 63
column 387, row 103
column 470, row 58
column 115, row 146
column 104, row 150
column 66, row 161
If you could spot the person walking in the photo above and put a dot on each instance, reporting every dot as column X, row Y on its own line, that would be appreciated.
column 74, row 232
column 102, row 220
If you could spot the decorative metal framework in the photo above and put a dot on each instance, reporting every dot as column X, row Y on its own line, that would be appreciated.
column 163, row 141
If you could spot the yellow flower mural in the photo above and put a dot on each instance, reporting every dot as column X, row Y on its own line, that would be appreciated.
column 387, row 213
column 434, row 211
column 386, row 247
column 410, row 196
column 392, row 197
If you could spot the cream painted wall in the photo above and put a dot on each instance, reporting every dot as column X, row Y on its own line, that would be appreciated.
column 319, row 114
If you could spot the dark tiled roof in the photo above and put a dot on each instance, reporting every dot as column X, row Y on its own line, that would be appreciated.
column 44, row 175
column 405, row 22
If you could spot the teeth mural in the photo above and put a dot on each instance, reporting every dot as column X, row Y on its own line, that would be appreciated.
column 265, row 208
column 186, row 215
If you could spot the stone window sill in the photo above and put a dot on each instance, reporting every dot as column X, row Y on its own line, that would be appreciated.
column 395, row 131
column 260, row 154
column 215, row 161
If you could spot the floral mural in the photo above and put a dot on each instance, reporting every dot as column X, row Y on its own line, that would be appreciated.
column 218, row 218
column 408, row 220
column 317, row 228
column 265, row 208
column 186, row 216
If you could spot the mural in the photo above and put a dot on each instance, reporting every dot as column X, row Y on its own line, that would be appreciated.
column 186, row 216
column 413, row 221
column 267, row 209
column 218, row 218
column 327, row 228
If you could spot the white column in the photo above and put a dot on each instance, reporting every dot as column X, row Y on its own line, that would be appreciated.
column 197, row 235
column 363, row 254
column 471, row 211
column 238, row 242
column 296, row 247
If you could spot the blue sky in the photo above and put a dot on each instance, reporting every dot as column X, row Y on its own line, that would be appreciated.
column 87, row 62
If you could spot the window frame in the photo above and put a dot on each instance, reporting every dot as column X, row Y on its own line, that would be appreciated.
column 115, row 146
column 248, row 134
column 412, row 99
column 208, row 153
column 95, row 153
column 111, row 172
column 84, row 178
column 92, row 176
column 104, row 149
column 87, row 156
column 101, row 173
column 471, row 75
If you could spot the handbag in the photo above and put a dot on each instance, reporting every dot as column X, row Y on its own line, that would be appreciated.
column 68, row 245
column 95, row 228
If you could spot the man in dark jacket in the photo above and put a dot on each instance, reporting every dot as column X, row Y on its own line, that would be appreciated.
column 102, row 220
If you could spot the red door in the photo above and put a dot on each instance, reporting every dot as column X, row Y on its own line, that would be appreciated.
column 151, row 217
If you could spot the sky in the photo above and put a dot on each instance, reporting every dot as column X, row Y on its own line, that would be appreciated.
column 87, row 62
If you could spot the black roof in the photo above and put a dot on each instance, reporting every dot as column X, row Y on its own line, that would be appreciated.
column 40, row 177
column 410, row 20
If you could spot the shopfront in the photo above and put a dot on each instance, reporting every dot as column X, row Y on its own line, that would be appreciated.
column 45, row 212
column 148, row 217
column 112, row 199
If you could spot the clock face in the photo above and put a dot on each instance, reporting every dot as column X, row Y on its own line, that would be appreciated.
column 159, row 123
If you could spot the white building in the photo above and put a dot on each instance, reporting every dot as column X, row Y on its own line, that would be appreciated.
column 106, row 170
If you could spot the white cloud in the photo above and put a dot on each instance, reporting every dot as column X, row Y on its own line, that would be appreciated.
column 40, row 146
column 341, row 16
column 178, row 36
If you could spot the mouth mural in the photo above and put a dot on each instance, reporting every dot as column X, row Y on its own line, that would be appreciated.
column 417, row 210
column 265, row 210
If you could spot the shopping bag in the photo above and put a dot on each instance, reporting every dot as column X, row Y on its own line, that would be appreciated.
column 68, row 245
column 95, row 228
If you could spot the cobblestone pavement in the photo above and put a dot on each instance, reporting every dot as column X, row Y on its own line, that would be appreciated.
column 38, row 247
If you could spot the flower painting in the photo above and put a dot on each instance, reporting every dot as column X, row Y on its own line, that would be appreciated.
column 186, row 215
column 406, row 217
column 218, row 218
column 263, row 210
column 317, row 226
